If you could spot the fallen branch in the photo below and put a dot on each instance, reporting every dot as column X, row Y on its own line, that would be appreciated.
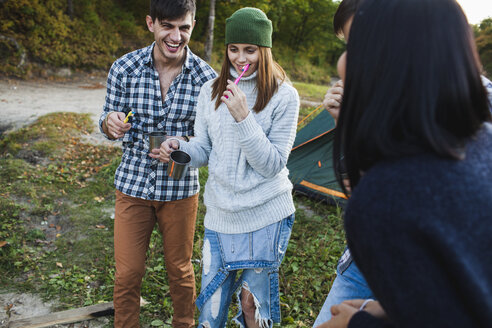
column 68, row 316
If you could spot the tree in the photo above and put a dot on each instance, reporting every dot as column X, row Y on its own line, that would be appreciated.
column 483, row 34
column 70, row 9
column 209, row 43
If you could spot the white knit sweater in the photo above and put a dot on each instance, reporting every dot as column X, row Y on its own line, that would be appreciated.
column 248, row 186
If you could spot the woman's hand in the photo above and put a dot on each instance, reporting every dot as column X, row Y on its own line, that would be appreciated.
column 333, row 100
column 341, row 315
column 235, row 101
column 343, row 312
column 373, row 307
column 346, row 184
column 163, row 153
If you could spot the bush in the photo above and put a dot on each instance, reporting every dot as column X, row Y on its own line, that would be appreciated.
column 51, row 38
column 300, row 67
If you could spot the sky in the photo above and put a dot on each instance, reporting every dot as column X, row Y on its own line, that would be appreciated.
column 476, row 10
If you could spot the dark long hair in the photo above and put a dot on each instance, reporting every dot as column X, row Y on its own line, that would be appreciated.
column 346, row 9
column 412, row 84
column 269, row 76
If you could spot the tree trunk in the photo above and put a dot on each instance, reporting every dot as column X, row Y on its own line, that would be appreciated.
column 209, row 43
column 22, row 59
column 70, row 9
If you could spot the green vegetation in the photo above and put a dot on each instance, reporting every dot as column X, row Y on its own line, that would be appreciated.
column 311, row 91
column 483, row 36
column 88, row 36
column 38, row 36
column 56, row 227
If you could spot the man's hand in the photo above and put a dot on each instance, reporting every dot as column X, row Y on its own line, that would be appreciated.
column 163, row 153
column 115, row 128
column 333, row 100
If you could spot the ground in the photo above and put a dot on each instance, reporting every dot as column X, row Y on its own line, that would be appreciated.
column 21, row 103
column 315, row 246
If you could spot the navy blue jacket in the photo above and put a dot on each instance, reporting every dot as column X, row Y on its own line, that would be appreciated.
column 420, row 230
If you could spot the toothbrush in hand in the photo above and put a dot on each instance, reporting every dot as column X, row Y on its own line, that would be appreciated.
column 128, row 117
column 245, row 68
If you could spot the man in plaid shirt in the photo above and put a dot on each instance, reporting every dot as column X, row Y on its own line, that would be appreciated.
column 160, row 85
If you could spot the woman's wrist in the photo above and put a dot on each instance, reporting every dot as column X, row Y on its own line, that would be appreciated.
column 364, row 304
column 241, row 117
column 374, row 308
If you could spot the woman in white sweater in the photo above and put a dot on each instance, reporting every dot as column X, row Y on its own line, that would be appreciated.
column 244, row 133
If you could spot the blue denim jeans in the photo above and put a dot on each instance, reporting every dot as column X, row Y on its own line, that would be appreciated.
column 258, row 254
column 348, row 284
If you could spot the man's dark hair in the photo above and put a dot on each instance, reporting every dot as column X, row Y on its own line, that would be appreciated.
column 171, row 9
column 412, row 84
column 346, row 9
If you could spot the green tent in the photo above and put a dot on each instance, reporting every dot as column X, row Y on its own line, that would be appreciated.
column 311, row 161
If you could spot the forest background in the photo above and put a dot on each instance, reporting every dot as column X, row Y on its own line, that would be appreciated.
column 37, row 35
column 57, row 195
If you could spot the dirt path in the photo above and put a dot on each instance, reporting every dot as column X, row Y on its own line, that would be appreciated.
column 22, row 102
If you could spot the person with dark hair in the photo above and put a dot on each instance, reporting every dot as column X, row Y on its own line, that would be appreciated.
column 349, row 282
column 159, row 85
column 244, row 132
column 416, row 147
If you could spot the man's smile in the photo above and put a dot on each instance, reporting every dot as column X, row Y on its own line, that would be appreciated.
column 173, row 46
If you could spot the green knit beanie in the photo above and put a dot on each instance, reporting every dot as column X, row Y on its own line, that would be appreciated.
column 249, row 25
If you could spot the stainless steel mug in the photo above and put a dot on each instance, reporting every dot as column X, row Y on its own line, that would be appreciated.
column 155, row 139
column 178, row 165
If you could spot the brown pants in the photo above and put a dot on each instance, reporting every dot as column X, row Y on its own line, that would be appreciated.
column 135, row 219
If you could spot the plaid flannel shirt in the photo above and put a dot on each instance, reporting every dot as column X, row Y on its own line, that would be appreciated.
column 133, row 84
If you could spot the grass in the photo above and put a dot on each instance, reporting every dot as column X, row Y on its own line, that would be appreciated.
column 313, row 92
column 56, row 207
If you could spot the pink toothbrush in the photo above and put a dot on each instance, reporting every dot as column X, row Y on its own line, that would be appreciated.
column 245, row 68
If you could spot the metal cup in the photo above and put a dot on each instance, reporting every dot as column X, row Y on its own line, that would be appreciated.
column 178, row 165
column 155, row 139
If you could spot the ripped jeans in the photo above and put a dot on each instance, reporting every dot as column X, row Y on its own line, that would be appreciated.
column 258, row 254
